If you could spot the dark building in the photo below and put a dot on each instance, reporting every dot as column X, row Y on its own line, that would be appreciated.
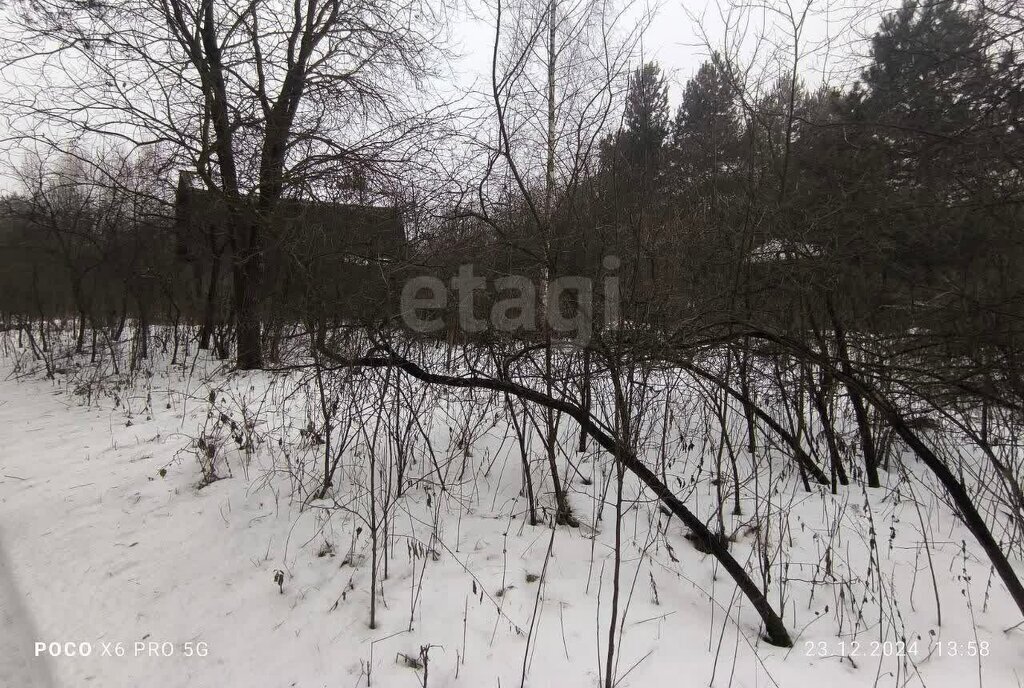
column 331, row 260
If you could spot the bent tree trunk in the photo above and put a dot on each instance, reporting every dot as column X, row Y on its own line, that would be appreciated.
column 867, row 443
column 954, row 488
column 956, row 491
column 818, row 396
column 775, row 628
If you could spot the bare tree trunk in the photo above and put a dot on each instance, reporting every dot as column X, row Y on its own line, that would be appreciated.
column 121, row 320
column 327, row 412
column 246, row 274
column 80, row 337
column 210, row 304
column 563, row 512
column 563, row 515
column 586, row 396
column 867, row 443
column 748, row 412
column 527, row 474
column 92, row 344
column 818, row 396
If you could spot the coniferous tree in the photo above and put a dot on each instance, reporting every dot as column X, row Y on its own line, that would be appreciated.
column 631, row 178
column 637, row 148
column 646, row 118
column 705, row 130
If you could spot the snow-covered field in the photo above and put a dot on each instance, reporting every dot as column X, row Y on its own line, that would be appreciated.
column 113, row 543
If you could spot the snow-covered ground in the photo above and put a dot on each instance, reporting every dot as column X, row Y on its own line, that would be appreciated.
column 109, row 545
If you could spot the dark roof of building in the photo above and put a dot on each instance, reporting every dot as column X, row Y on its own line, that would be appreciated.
column 360, row 230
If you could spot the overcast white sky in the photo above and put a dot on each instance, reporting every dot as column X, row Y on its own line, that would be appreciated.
column 676, row 39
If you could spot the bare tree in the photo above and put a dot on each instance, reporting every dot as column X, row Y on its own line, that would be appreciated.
column 260, row 98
